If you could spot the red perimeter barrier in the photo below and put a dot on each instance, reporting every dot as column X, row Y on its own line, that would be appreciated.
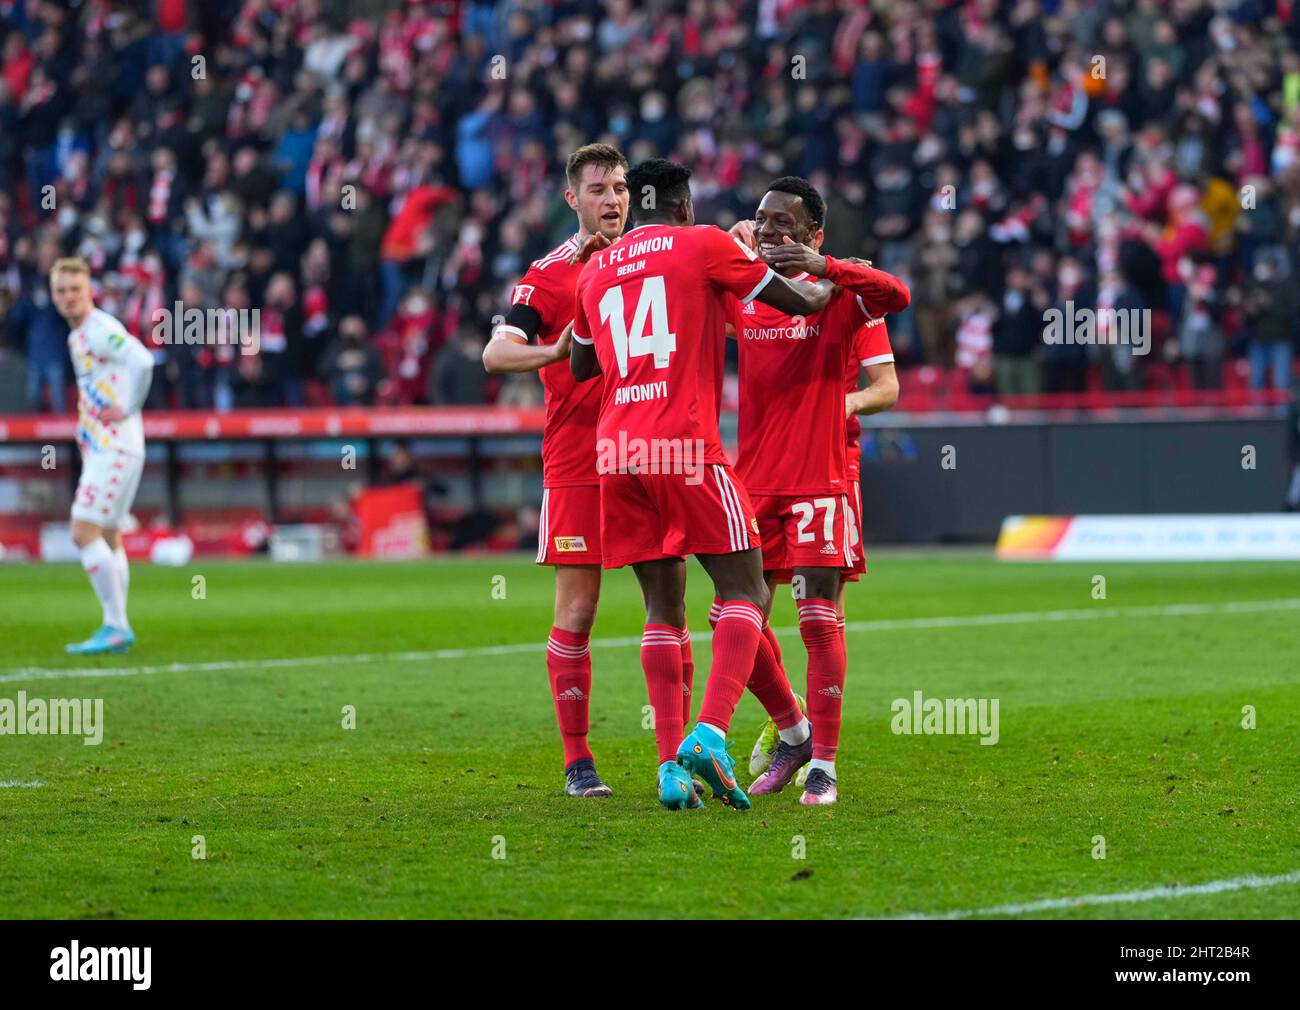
column 391, row 422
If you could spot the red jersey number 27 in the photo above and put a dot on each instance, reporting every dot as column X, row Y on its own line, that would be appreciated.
column 651, row 307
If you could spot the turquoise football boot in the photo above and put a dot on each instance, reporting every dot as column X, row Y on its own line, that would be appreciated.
column 676, row 790
column 105, row 640
column 704, row 754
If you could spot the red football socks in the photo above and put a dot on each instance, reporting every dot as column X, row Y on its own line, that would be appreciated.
column 819, row 625
column 768, row 681
column 568, row 664
column 735, row 643
column 661, row 659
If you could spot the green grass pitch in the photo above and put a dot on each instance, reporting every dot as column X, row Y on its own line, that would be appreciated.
column 1127, row 726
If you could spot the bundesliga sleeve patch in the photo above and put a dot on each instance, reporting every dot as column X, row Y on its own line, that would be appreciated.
column 116, row 340
column 570, row 545
column 523, row 294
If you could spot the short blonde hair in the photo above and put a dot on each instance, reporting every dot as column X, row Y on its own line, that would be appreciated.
column 70, row 265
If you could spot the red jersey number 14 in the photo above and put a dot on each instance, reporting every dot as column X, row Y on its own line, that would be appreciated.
column 652, row 305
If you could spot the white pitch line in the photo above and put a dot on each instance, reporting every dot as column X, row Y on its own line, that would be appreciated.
column 1250, row 882
column 433, row 655
column 21, row 785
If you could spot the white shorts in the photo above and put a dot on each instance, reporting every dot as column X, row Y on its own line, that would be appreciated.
column 107, row 487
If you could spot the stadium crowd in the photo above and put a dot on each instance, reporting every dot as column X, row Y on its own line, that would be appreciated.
column 373, row 177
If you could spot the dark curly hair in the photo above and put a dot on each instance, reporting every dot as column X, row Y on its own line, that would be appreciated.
column 807, row 192
column 665, row 184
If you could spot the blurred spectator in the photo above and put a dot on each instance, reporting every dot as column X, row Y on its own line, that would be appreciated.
column 38, row 329
column 1018, row 332
column 974, row 357
column 458, row 377
column 1065, row 364
column 399, row 467
column 283, row 354
column 350, row 367
column 1123, row 363
column 1271, row 305
column 1200, row 335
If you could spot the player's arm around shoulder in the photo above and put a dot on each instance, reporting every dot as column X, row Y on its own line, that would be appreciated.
column 878, row 292
column 736, row 268
column 810, row 296
column 797, row 298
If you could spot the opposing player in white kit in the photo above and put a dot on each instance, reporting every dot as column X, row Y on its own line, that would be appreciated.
column 113, row 371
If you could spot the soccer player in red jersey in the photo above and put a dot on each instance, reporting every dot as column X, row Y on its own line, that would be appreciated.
column 792, row 385
column 651, row 318
column 873, row 355
column 541, row 311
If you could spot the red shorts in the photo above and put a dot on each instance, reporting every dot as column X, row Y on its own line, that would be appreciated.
column 804, row 532
column 644, row 517
column 568, row 530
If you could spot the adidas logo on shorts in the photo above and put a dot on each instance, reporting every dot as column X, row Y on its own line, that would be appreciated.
column 829, row 549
